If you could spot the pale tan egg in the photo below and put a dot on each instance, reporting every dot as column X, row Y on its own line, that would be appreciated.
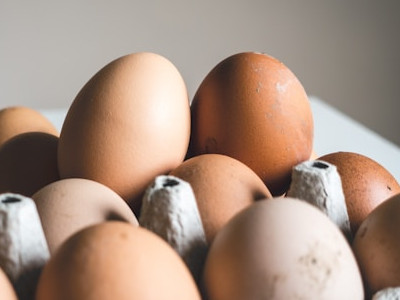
column 281, row 248
column 128, row 124
column 66, row 206
column 19, row 119
column 115, row 260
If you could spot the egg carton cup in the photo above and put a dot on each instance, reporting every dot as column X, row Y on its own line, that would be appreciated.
column 169, row 209
column 23, row 246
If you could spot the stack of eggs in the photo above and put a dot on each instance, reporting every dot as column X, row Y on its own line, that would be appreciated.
column 141, row 185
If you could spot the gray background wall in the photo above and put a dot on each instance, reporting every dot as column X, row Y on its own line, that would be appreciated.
column 345, row 52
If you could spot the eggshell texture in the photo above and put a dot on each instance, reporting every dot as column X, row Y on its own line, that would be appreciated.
column 376, row 246
column 115, row 260
column 281, row 248
column 28, row 162
column 365, row 184
column 128, row 124
column 68, row 205
column 20, row 119
column 7, row 291
column 222, row 186
column 253, row 108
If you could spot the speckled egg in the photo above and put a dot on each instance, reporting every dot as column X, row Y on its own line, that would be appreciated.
column 281, row 248
column 253, row 108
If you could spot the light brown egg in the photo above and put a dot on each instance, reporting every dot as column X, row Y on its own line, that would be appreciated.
column 365, row 183
column 376, row 246
column 313, row 155
column 28, row 162
column 253, row 108
column 7, row 291
column 281, row 248
column 128, row 124
column 115, row 260
column 20, row 119
column 222, row 186
column 68, row 205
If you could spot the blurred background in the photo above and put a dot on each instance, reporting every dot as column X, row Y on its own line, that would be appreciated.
column 344, row 52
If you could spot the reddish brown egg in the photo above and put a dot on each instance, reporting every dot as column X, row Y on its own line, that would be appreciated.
column 28, row 162
column 376, row 246
column 7, row 291
column 116, row 261
column 253, row 108
column 19, row 119
column 128, row 124
column 222, row 186
column 68, row 205
column 365, row 183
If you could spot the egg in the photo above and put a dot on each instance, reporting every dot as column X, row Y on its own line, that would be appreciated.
column 313, row 155
column 281, row 248
column 129, row 123
column 252, row 107
column 222, row 186
column 376, row 246
column 365, row 183
column 28, row 162
column 115, row 260
column 68, row 205
column 20, row 119
column 7, row 291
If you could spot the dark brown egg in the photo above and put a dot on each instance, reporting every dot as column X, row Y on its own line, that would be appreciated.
column 253, row 108
column 222, row 186
column 15, row 120
column 365, row 183
column 28, row 162
column 376, row 246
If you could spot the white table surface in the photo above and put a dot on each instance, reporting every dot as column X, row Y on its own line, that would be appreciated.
column 333, row 131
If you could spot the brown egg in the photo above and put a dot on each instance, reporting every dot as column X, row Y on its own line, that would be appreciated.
column 365, row 184
column 7, row 291
column 376, row 246
column 28, row 162
column 281, row 248
column 253, row 108
column 115, row 260
column 222, row 186
column 128, row 124
column 19, row 119
column 68, row 205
